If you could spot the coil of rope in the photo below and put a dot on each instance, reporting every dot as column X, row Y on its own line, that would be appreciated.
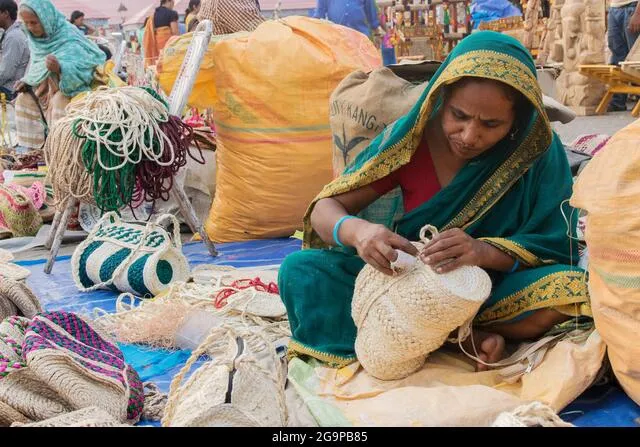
column 131, row 148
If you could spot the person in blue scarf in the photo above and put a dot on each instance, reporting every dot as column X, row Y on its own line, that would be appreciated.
column 476, row 158
column 63, row 65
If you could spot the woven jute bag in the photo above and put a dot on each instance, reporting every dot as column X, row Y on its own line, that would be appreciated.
column 242, row 386
column 16, row 298
column 82, row 367
column 87, row 417
column 9, row 416
column 20, row 389
column 402, row 319
column 142, row 260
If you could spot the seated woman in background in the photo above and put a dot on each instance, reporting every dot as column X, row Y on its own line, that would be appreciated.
column 475, row 157
column 161, row 27
column 63, row 64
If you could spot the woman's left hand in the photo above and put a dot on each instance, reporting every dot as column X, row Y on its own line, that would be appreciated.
column 52, row 64
column 453, row 249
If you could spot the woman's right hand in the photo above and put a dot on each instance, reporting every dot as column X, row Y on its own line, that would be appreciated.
column 20, row 87
column 377, row 245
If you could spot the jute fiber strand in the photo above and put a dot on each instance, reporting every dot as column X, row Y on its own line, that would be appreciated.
column 83, row 368
column 87, row 417
column 535, row 414
column 242, row 386
column 404, row 318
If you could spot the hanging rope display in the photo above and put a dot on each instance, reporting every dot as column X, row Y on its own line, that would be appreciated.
column 130, row 148
column 63, row 156
column 154, row 180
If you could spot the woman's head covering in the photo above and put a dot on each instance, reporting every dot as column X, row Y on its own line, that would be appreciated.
column 487, row 55
column 77, row 55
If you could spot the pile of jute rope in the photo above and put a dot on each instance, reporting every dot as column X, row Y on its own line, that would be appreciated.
column 117, row 147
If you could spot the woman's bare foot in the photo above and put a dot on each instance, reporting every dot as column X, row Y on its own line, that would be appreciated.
column 490, row 348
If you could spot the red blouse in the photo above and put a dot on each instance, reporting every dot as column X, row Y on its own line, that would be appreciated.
column 417, row 179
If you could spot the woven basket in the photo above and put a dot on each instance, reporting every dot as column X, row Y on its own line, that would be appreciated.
column 87, row 417
column 243, row 386
column 16, row 296
column 404, row 318
column 26, row 393
column 83, row 368
column 9, row 416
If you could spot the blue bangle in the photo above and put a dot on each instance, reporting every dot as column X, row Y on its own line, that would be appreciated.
column 516, row 266
column 336, row 230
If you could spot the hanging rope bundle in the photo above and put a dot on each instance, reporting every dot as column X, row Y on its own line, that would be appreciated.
column 131, row 147
column 155, row 180
column 63, row 155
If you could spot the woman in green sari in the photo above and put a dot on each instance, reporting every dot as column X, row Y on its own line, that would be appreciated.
column 475, row 157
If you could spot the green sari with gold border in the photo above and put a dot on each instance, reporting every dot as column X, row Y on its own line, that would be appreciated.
column 512, row 197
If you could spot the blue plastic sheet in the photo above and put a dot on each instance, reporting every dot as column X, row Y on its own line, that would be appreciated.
column 602, row 406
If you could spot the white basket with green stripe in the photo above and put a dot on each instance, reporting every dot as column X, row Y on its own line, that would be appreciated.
column 142, row 259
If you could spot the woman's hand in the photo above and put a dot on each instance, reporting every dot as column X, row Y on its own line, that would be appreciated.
column 20, row 87
column 377, row 245
column 52, row 64
column 453, row 249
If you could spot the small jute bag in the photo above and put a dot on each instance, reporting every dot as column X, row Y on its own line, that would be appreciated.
column 242, row 386
column 83, row 368
column 402, row 319
column 130, row 258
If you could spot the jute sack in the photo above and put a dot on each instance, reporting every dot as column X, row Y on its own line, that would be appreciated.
column 404, row 318
column 362, row 106
column 608, row 190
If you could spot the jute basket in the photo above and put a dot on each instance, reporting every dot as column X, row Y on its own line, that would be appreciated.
column 404, row 318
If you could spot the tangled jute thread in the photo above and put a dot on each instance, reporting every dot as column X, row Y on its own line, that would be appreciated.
column 531, row 415
column 156, row 322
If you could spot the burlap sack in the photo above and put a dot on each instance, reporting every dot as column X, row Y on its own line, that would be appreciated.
column 609, row 190
column 362, row 106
